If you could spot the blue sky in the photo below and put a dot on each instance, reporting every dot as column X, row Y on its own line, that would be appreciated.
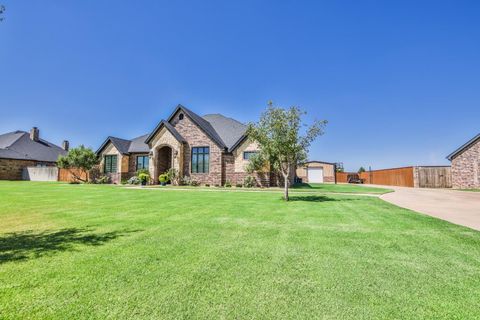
column 398, row 81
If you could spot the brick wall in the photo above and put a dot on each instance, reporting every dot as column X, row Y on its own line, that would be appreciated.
column 466, row 168
column 195, row 137
column 229, row 173
column 132, row 165
column 11, row 169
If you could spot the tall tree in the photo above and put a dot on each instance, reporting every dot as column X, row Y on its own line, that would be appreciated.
column 2, row 10
column 78, row 158
column 283, row 139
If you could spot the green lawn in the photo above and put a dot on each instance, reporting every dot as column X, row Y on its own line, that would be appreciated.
column 106, row 252
column 469, row 190
column 305, row 187
column 343, row 188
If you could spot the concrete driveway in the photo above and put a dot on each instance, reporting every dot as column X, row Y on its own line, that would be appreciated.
column 459, row 207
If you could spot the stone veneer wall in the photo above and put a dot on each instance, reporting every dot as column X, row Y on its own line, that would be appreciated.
column 11, row 169
column 466, row 168
column 195, row 137
column 229, row 173
column 122, row 162
column 161, row 139
column 132, row 165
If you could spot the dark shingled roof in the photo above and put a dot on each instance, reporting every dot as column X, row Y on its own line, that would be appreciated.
column 224, row 131
column 138, row 144
column 125, row 146
column 463, row 147
column 202, row 123
column 18, row 145
column 169, row 127
column 229, row 130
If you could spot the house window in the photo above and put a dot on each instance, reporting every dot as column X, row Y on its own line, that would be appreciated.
column 180, row 116
column 200, row 159
column 110, row 164
column 248, row 154
column 142, row 162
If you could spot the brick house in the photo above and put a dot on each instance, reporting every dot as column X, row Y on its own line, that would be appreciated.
column 466, row 165
column 212, row 149
column 20, row 149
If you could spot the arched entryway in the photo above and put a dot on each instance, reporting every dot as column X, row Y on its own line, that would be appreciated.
column 164, row 159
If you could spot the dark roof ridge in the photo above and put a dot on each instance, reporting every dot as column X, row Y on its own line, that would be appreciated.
column 463, row 147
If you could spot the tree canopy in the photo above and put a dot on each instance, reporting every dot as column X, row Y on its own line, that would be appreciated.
column 284, row 139
column 78, row 158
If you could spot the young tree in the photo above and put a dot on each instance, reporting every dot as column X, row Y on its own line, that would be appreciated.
column 256, row 163
column 78, row 158
column 362, row 169
column 282, row 144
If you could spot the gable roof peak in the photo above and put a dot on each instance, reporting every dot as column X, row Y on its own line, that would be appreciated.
column 463, row 147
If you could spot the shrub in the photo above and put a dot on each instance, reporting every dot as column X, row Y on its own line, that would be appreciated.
column 143, row 171
column 172, row 174
column 228, row 184
column 185, row 181
column 163, row 178
column 194, row 183
column 94, row 174
column 103, row 180
column 144, row 177
column 238, row 185
column 188, row 181
column 133, row 180
column 249, row 182
column 207, row 184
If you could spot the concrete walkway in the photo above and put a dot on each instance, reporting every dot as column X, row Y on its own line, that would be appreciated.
column 459, row 207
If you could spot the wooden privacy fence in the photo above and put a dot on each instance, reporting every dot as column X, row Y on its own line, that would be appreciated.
column 402, row 177
column 418, row 177
column 342, row 177
column 432, row 177
column 66, row 175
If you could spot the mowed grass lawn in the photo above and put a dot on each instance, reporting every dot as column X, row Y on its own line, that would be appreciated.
column 106, row 252
column 341, row 188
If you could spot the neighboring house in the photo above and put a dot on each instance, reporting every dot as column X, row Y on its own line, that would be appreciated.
column 317, row 172
column 466, row 165
column 211, row 149
column 20, row 149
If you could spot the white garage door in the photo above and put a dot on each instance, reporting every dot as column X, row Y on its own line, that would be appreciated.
column 315, row 175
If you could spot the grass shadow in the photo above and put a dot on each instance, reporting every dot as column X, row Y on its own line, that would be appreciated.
column 302, row 185
column 27, row 245
column 312, row 198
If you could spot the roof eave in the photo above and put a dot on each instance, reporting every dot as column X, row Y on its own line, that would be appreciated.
column 105, row 143
column 170, row 129
column 463, row 147
column 221, row 144
column 239, row 142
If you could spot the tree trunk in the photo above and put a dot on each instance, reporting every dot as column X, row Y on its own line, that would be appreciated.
column 285, row 181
